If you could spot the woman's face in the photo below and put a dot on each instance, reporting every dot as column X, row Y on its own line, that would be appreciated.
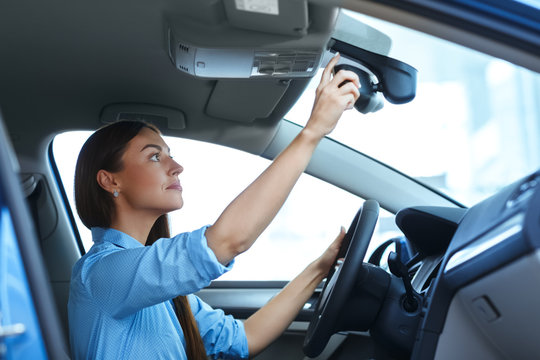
column 149, row 180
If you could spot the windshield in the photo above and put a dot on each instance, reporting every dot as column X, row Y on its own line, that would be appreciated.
column 472, row 128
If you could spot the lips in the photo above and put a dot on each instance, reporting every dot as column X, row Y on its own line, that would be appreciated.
column 175, row 186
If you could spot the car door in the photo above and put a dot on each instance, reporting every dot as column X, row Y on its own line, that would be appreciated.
column 29, row 327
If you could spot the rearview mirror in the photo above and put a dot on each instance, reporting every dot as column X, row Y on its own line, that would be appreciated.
column 396, row 79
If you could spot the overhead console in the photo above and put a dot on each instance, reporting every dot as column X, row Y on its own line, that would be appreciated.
column 265, row 47
column 269, row 39
column 257, row 59
column 283, row 39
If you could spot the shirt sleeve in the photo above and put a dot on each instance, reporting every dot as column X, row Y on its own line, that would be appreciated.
column 223, row 336
column 124, row 281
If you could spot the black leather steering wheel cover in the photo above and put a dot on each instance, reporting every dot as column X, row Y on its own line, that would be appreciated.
column 336, row 291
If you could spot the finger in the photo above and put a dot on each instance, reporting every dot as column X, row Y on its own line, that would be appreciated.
column 327, row 73
column 341, row 235
column 346, row 75
column 349, row 89
column 336, row 244
column 349, row 102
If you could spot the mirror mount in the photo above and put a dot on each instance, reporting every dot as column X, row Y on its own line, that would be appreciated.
column 397, row 80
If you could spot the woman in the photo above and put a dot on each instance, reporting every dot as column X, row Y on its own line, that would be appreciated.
column 131, row 294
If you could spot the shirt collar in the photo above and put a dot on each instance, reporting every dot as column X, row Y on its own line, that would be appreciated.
column 115, row 237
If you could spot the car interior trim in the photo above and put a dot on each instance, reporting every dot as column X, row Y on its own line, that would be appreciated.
column 480, row 220
column 496, row 236
column 456, row 14
column 425, row 272
column 482, row 312
column 251, row 299
column 30, row 254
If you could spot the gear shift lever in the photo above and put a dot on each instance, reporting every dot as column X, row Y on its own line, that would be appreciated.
column 397, row 268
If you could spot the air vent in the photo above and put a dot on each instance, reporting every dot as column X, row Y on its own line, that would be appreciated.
column 525, row 191
column 183, row 47
column 432, row 276
column 183, row 68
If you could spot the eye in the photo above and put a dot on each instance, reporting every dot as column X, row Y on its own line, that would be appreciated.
column 155, row 157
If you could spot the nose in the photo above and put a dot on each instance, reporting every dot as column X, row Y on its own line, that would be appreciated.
column 176, row 168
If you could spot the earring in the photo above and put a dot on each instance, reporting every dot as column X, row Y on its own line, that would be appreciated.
column 115, row 193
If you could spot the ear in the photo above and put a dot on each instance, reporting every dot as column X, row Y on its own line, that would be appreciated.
column 107, row 180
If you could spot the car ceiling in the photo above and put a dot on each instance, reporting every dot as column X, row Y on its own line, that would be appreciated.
column 64, row 61
column 67, row 60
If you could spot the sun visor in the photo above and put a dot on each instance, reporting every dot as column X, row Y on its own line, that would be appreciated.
column 245, row 100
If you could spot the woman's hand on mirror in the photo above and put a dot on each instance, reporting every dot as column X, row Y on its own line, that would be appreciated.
column 335, row 94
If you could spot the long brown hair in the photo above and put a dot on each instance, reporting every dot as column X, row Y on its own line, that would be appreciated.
column 95, row 206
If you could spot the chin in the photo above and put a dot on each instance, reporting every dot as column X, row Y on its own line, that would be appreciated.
column 173, row 207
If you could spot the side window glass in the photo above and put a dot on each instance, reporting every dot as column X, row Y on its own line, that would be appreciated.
column 213, row 176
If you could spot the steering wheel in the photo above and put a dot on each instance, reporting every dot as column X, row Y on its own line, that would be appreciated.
column 341, row 279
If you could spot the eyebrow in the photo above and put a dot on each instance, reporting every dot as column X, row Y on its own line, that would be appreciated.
column 154, row 146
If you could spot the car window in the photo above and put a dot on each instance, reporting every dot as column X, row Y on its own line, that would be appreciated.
column 213, row 176
column 471, row 129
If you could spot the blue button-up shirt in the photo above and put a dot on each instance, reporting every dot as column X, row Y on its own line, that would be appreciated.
column 120, row 301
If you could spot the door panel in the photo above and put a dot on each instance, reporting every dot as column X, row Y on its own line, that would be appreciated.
column 243, row 298
column 29, row 326
column 19, row 328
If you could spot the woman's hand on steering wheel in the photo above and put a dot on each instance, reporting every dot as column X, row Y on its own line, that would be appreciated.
column 328, row 258
column 327, row 317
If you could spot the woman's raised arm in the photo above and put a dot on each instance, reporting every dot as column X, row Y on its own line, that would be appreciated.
column 250, row 213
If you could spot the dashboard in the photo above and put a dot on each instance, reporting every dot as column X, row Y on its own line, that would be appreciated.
column 474, row 272
column 479, row 275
